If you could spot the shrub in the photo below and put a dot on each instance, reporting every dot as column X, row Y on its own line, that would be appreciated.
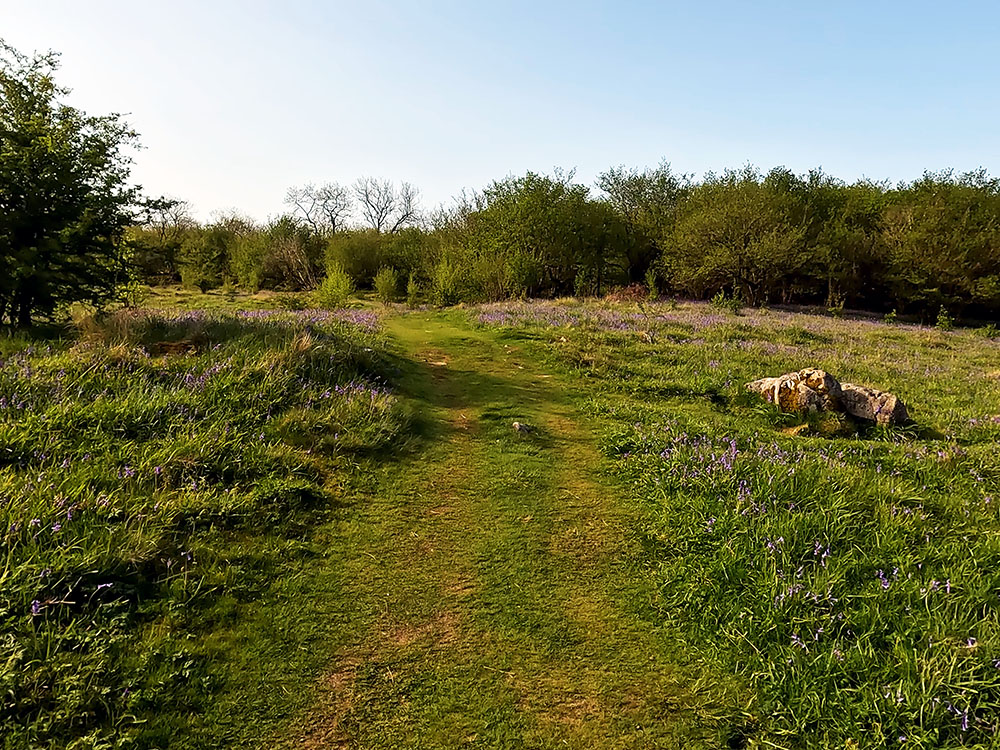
column 989, row 331
column 445, row 284
column 584, row 284
column 732, row 305
column 386, row 284
column 412, row 290
column 292, row 302
column 335, row 289
column 652, row 283
column 944, row 320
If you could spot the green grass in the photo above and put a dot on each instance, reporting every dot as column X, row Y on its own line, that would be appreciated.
column 492, row 576
column 851, row 583
column 154, row 474
column 320, row 530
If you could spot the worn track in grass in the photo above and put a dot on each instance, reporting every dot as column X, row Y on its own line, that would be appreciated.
column 487, row 594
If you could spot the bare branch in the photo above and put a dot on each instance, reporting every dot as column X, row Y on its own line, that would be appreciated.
column 334, row 203
column 406, row 213
column 383, row 207
column 377, row 200
column 304, row 203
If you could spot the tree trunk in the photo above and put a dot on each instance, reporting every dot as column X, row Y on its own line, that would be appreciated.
column 21, row 307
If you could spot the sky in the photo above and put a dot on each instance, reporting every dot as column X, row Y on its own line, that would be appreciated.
column 237, row 101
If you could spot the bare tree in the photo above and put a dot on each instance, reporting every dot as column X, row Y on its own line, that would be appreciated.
column 335, row 203
column 383, row 207
column 306, row 206
column 406, row 206
column 167, row 217
column 323, row 208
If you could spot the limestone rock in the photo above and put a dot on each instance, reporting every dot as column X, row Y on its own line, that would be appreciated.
column 805, row 390
column 822, row 383
column 872, row 404
column 812, row 390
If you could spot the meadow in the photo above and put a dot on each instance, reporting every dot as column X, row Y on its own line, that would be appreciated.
column 846, row 574
column 156, row 469
column 233, row 523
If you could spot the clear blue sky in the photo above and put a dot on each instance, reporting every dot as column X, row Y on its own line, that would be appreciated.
column 235, row 101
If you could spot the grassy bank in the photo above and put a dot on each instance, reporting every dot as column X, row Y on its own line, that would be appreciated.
column 848, row 577
column 158, row 472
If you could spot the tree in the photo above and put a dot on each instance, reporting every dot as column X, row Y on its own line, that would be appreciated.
column 943, row 238
column 736, row 232
column 542, row 234
column 157, row 241
column 384, row 207
column 323, row 209
column 65, row 201
column 647, row 201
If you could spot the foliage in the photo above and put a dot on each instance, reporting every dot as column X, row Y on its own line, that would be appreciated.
column 944, row 320
column 652, row 283
column 537, row 234
column 445, row 283
column 648, row 201
column 731, row 305
column 412, row 290
column 336, row 288
column 141, row 503
column 65, row 201
column 773, row 237
column 387, row 285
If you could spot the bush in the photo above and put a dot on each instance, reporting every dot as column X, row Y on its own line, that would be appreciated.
column 359, row 254
column 291, row 302
column 336, row 288
column 412, row 290
column 944, row 320
column 652, row 283
column 584, row 284
column 731, row 305
column 386, row 285
column 445, row 284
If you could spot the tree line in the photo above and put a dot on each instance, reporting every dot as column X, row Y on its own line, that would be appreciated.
column 764, row 238
column 73, row 230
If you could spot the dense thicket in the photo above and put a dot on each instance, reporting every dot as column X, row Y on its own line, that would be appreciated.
column 764, row 238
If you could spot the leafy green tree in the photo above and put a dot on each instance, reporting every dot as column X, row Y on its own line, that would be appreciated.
column 387, row 285
column 65, row 200
column 847, row 243
column 648, row 201
column 203, row 257
column 157, row 240
column 735, row 232
column 534, row 234
column 943, row 238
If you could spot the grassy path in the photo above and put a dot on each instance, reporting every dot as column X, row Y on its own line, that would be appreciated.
column 484, row 596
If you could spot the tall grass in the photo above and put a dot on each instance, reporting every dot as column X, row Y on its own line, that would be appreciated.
column 130, row 459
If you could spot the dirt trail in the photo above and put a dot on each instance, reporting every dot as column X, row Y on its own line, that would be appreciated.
column 489, row 579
